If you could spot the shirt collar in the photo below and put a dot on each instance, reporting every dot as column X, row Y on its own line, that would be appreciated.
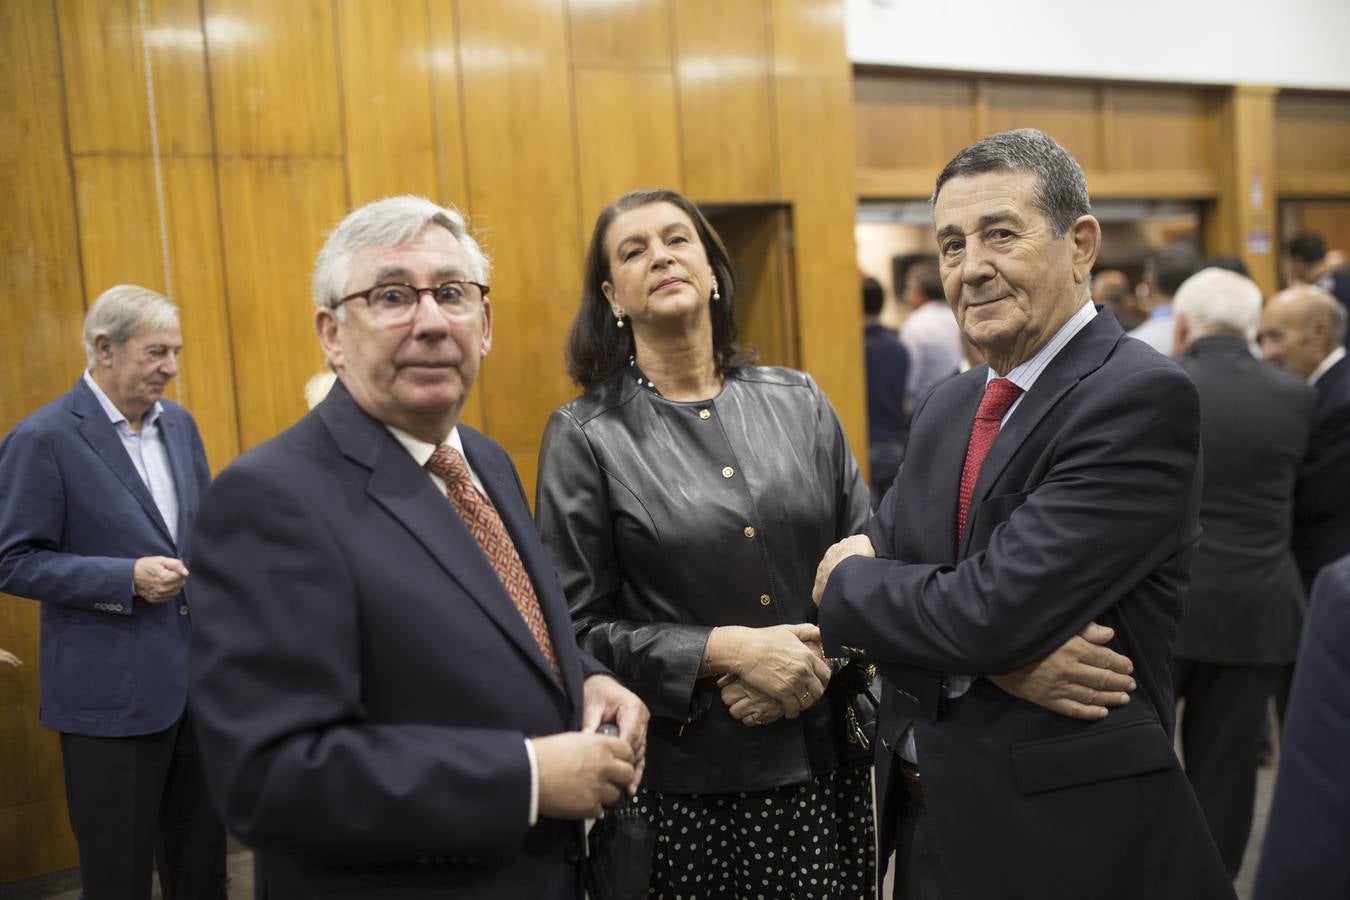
column 421, row 451
column 110, row 409
column 1024, row 374
column 1333, row 357
column 1161, row 312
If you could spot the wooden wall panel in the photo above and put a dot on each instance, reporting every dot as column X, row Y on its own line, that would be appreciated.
column 102, row 56
column 1066, row 112
column 1312, row 144
column 627, row 135
column 811, row 92
column 206, row 379
column 522, row 193
column 274, row 217
column 452, row 175
column 40, row 323
column 273, row 77
column 903, row 124
column 1158, row 129
column 635, row 34
column 725, row 100
column 389, row 114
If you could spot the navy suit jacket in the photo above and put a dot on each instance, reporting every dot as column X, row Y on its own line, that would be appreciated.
column 74, row 518
column 1086, row 509
column 1309, row 828
column 1322, row 496
column 362, row 684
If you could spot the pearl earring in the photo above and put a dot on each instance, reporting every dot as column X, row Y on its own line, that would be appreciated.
column 618, row 321
column 715, row 295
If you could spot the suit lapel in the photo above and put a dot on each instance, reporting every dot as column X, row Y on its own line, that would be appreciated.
column 941, row 475
column 1083, row 355
column 406, row 492
column 95, row 428
column 502, row 488
column 176, row 448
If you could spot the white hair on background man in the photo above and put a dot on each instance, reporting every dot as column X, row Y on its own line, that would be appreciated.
column 1217, row 301
column 121, row 311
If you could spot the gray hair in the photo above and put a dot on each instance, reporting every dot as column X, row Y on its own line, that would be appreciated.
column 120, row 312
column 1061, row 190
column 1215, row 301
column 390, row 222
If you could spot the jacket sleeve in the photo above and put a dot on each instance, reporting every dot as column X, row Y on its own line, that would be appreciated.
column 853, row 508
column 33, row 509
column 1107, row 514
column 293, row 761
column 658, row 661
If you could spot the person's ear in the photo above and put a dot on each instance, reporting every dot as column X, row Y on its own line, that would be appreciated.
column 1085, row 234
column 326, row 328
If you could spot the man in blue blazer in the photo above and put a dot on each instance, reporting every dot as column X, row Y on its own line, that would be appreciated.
column 1056, row 487
column 98, row 492
column 391, row 701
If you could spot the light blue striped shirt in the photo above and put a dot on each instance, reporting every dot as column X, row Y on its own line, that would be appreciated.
column 148, row 454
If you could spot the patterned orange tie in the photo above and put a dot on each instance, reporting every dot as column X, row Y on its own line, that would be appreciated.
column 487, row 529
column 999, row 396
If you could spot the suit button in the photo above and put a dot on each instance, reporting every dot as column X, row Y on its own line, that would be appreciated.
column 749, row 531
column 728, row 471
column 182, row 610
column 765, row 599
column 573, row 852
column 704, row 415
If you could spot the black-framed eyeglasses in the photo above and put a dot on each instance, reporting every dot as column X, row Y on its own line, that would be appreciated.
column 394, row 303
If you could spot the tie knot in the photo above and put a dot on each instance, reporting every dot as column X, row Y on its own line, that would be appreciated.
column 999, row 396
column 447, row 463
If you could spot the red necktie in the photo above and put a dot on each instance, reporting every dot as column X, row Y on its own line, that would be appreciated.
column 488, row 530
column 999, row 396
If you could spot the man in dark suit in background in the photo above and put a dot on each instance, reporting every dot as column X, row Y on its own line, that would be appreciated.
column 1309, row 827
column 1302, row 332
column 391, row 700
column 887, row 373
column 1054, row 488
column 1243, row 611
column 98, row 491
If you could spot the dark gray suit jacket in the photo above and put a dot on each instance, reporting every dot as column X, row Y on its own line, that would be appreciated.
column 1086, row 509
column 1246, row 598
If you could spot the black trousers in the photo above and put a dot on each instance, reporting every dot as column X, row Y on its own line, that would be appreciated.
column 140, row 801
column 1220, row 730
column 919, row 873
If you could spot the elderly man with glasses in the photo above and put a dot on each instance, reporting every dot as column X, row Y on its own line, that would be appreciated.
column 392, row 703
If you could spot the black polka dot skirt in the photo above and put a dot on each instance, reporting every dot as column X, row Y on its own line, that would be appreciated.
column 800, row 841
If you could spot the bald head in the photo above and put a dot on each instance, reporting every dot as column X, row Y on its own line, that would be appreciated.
column 1216, row 302
column 1300, row 327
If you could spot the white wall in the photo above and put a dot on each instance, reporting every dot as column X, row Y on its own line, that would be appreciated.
column 1286, row 43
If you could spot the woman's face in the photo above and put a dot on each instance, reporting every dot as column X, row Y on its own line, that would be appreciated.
column 659, row 270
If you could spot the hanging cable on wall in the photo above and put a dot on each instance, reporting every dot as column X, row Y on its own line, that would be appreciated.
column 154, row 151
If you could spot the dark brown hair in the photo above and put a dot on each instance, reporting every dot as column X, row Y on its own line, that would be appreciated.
column 596, row 349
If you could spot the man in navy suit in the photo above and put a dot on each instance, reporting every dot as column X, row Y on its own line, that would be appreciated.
column 1056, row 487
column 100, row 489
column 391, row 700
column 1309, row 828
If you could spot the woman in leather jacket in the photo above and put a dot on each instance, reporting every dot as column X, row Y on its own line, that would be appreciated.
column 686, row 498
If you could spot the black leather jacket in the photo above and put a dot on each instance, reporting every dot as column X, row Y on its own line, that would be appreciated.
column 665, row 519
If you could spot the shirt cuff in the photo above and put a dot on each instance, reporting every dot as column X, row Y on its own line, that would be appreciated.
column 534, row 783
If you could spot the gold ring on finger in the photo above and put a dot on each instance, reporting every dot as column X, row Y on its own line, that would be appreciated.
column 806, row 697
